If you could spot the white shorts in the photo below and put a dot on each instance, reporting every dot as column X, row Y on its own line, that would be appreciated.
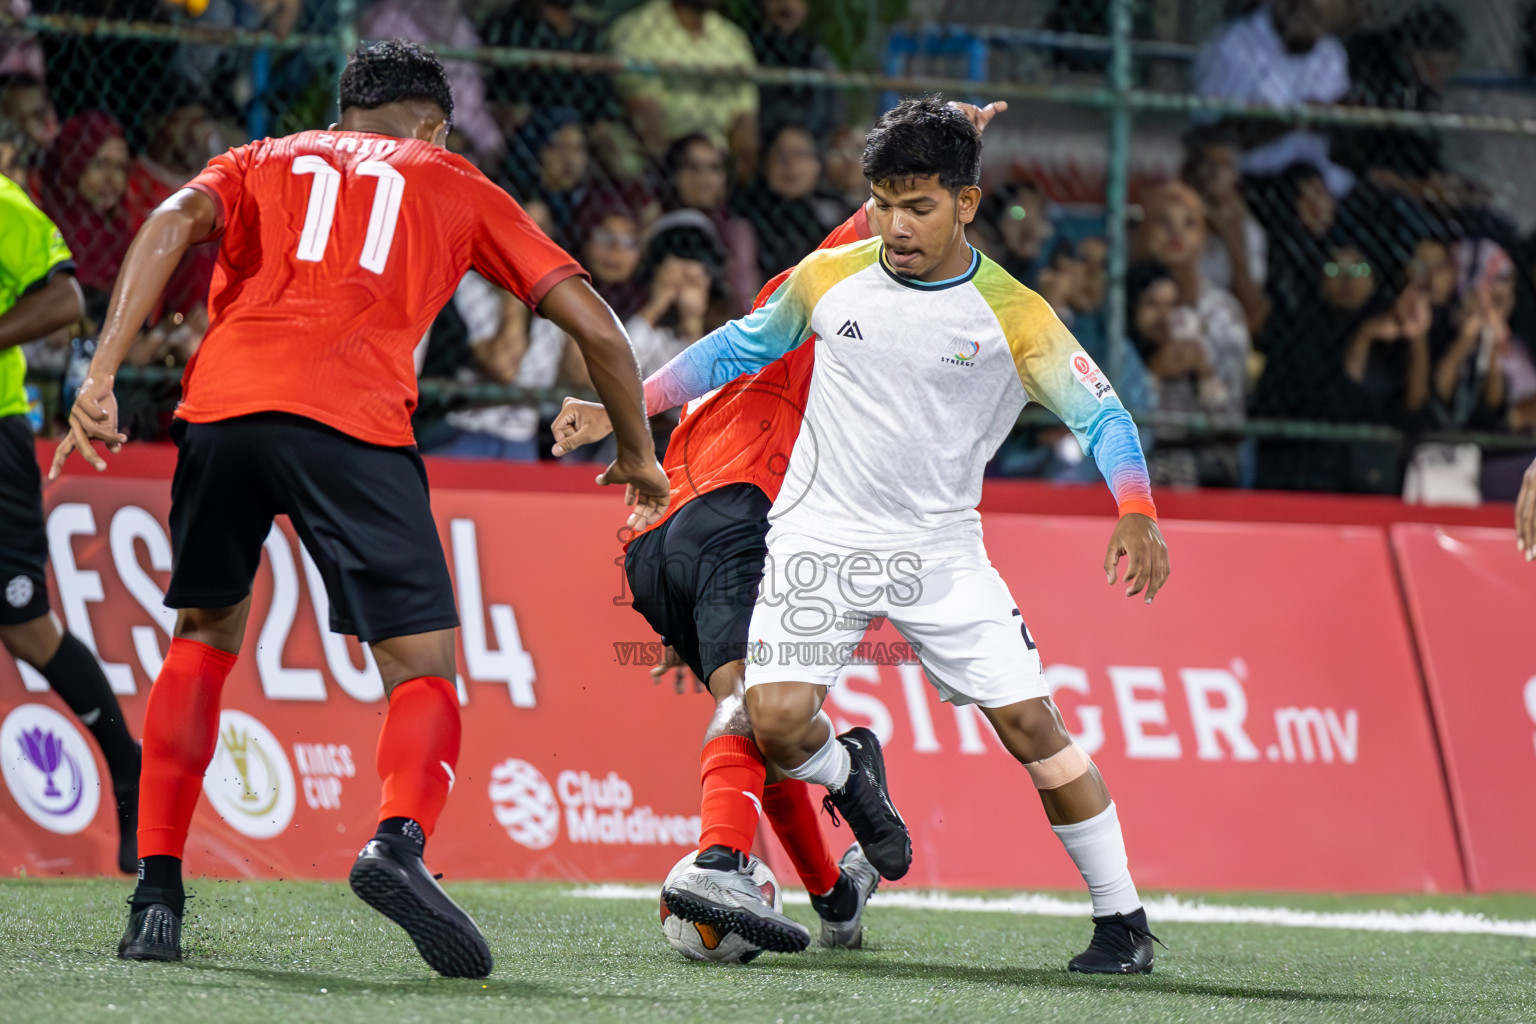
column 952, row 612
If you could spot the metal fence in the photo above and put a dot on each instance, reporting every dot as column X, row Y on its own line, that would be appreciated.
column 1295, row 234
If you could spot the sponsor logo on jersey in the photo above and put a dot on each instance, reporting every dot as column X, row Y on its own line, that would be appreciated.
column 850, row 329
column 597, row 810
column 1091, row 377
column 964, row 354
column 49, row 769
column 759, row 653
column 249, row 781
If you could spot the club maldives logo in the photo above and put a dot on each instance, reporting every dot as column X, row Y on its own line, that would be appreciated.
column 249, row 781
column 524, row 804
column 597, row 809
column 49, row 769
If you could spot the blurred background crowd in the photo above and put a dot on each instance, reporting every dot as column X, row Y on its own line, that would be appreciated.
column 1323, row 303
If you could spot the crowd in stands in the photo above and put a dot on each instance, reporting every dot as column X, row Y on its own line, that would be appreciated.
column 1309, row 274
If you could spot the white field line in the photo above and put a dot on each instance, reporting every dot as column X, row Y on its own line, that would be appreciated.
column 1161, row 909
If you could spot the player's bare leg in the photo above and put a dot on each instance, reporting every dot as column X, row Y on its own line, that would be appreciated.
column 418, row 751
column 181, row 724
column 793, row 734
column 75, row 675
column 1083, row 817
column 717, row 890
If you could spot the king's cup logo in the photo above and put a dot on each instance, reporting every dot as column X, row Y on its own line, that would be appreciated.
column 249, row 781
column 238, row 743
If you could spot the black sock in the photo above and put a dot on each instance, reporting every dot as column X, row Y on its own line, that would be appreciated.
column 404, row 831
column 76, row 676
column 841, row 903
column 719, row 858
column 159, row 882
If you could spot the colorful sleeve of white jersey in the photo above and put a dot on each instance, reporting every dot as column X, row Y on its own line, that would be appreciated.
column 750, row 343
column 1058, row 374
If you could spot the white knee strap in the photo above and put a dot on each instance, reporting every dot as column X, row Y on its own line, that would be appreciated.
column 1068, row 764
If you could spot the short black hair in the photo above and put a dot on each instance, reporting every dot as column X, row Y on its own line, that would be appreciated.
column 922, row 137
column 394, row 71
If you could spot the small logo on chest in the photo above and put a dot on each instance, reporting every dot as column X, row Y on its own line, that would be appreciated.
column 964, row 354
column 850, row 329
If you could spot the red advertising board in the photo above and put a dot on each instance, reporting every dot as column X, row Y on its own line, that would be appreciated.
column 1472, row 596
column 1261, row 726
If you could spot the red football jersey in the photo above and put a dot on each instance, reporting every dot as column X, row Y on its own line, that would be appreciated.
column 745, row 431
column 338, row 249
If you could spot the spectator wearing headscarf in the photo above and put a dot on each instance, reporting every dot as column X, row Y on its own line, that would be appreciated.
column 84, row 180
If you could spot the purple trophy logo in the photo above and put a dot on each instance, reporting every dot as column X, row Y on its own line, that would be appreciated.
column 45, row 751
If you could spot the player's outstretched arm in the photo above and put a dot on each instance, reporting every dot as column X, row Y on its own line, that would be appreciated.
column 179, row 223
column 579, row 311
column 1138, row 540
column 1525, row 515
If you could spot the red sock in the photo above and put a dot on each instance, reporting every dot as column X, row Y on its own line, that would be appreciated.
column 419, row 749
column 732, row 777
column 181, row 726
column 792, row 812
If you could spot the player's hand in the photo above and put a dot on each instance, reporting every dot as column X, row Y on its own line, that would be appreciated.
column 672, row 662
column 92, row 418
column 580, row 423
column 980, row 116
column 646, row 489
column 1525, row 515
column 1141, row 543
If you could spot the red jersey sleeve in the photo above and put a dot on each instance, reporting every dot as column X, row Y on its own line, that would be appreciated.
column 512, row 252
column 855, row 229
column 223, row 180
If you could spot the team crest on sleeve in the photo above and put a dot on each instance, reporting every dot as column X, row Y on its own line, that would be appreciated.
column 1091, row 377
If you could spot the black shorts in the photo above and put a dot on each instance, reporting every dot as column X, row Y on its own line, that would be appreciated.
column 361, row 511
column 695, row 577
column 23, row 538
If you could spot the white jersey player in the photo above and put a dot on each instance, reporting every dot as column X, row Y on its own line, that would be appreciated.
column 927, row 351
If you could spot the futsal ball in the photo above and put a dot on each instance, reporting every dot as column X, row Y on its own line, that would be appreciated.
column 703, row 942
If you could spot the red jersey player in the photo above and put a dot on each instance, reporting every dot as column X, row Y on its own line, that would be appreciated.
column 337, row 250
column 694, row 575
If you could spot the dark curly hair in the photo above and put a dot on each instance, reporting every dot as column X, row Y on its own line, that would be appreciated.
column 394, row 71
column 921, row 137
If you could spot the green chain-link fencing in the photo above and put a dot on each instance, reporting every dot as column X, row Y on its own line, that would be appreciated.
column 1292, row 297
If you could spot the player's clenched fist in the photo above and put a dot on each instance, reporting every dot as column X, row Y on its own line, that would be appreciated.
column 580, row 423
column 1140, row 542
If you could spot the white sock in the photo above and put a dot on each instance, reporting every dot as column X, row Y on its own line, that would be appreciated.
column 1097, row 847
column 829, row 766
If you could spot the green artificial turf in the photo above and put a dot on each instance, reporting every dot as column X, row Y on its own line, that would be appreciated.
column 295, row 952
